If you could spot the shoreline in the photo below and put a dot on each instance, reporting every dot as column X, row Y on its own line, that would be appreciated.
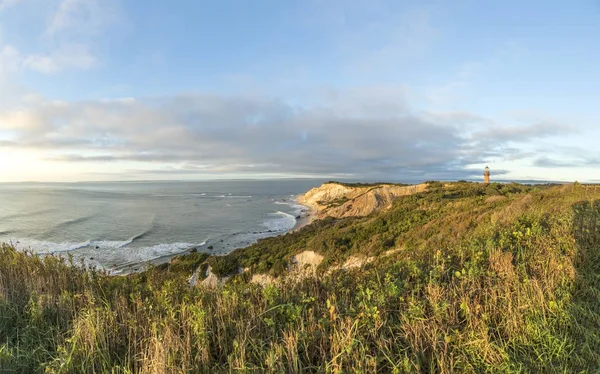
column 305, row 219
column 304, row 216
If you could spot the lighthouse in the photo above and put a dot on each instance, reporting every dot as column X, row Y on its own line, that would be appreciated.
column 486, row 175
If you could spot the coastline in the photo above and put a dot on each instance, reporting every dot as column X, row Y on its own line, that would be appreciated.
column 305, row 217
column 300, row 216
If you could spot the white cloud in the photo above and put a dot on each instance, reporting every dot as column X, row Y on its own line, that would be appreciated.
column 365, row 101
column 73, row 32
column 523, row 134
column 69, row 40
column 9, row 59
column 82, row 18
column 7, row 3
column 391, row 41
column 472, row 77
column 69, row 56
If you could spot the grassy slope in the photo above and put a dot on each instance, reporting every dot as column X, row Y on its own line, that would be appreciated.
column 497, row 279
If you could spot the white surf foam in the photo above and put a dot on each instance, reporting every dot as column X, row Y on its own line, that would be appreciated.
column 233, row 196
column 113, row 256
column 134, row 258
column 283, row 222
column 45, row 247
column 293, row 204
column 157, row 251
column 111, row 243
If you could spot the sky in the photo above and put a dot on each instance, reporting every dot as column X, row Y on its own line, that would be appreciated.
column 94, row 90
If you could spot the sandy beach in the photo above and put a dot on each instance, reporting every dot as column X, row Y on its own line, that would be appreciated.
column 306, row 217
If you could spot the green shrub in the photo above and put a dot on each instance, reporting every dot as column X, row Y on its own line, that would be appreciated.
column 223, row 266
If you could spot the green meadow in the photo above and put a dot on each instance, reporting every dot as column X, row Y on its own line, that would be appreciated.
column 464, row 277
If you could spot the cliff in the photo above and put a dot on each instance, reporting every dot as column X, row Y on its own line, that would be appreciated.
column 339, row 200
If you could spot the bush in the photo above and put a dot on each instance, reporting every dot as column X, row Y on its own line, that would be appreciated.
column 223, row 266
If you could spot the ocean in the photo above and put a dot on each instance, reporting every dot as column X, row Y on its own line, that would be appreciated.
column 120, row 226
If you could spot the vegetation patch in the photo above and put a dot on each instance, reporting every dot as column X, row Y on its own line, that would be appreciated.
column 374, row 184
column 223, row 266
column 334, row 203
column 185, row 263
column 509, row 285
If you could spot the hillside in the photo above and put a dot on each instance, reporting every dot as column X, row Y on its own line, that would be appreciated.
column 334, row 199
column 460, row 277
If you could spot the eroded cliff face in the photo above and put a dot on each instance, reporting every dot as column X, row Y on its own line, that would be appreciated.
column 337, row 200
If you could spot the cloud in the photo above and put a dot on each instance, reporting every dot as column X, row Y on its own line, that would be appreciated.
column 398, row 38
column 9, row 59
column 71, row 40
column 4, row 4
column 546, row 162
column 371, row 100
column 494, row 142
column 211, row 134
column 524, row 133
column 462, row 119
column 82, row 18
column 472, row 77
column 488, row 140
column 73, row 32
column 378, row 38
column 67, row 56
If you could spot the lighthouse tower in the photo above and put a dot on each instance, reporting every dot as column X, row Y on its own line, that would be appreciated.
column 486, row 175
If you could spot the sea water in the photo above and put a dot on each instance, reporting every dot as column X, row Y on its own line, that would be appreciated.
column 120, row 226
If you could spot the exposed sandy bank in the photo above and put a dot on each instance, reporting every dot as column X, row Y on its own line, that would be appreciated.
column 337, row 200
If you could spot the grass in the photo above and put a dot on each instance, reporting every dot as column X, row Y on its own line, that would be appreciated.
column 367, row 184
column 335, row 202
column 499, row 278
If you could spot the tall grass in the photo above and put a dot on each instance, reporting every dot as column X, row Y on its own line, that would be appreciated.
column 479, row 284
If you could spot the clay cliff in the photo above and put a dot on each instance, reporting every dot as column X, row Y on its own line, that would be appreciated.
column 339, row 200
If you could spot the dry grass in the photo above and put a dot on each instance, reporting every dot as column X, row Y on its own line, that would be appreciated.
column 508, row 286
